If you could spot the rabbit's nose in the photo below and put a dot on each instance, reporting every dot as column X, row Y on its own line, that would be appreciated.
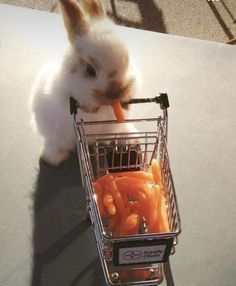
column 114, row 91
column 112, row 95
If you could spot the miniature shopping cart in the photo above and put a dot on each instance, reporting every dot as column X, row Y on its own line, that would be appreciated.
column 132, row 259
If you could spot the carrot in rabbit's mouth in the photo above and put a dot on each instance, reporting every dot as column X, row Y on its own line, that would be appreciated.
column 119, row 114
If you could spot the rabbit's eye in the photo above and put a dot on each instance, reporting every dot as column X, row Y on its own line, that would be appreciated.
column 90, row 70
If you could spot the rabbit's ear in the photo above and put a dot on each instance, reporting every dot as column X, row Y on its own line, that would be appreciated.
column 74, row 18
column 94, row 8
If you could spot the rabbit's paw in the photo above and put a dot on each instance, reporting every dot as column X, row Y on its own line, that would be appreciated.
column 54, row 155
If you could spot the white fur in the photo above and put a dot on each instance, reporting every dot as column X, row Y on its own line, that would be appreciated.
column 56, row 83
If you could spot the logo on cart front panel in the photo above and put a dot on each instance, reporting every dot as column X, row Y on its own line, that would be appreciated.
column 141, row 254
column 132, row 254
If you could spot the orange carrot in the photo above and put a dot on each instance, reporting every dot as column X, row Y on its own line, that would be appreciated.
column 99, row 197
column 107, row 200
column 145, row 188
column 118, row 112
column 127, row 192
column 142, row 192
column 145, row 210
column 114, row 220
column 164, row 224
column 156, row 172
column 120, row 229
column 155, row 205
column 142, row 196
column 130, row 180
column 131, row 222
column 129, row 196
column 122, row 186
column 140, row 175
column 148, row 204
column 114, row 191
column 111, row 209
column 104, row 179
column 134, row 206
column 131, row 186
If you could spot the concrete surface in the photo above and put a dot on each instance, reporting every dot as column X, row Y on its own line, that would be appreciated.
column 213, row 20
column 42, row 209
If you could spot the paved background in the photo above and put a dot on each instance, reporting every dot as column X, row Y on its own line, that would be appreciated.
column 213, row 20
column 63, row 246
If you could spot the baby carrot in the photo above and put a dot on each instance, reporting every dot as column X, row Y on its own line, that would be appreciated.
column 107, row 200
column 114, row 220
column 131, row 222
column 142, row 196
column 155, row 207
column 122, row 185
column 131, row 186
column 114, row 191
column 104, row 179
column 118, row 111
column 152, row 208
column 111, row 209
column 129, row 196
column 144, row 206
column 140, row 175
column 99, row 197
column 134, row 206
column 97, row 188
column 126, row 191
column 156, row 172
column 148, row 205
column 145, row 188
column 164, row 224
column 120, row 229
column 130, row 180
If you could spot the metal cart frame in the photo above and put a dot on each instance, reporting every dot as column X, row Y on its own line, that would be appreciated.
column 134, row 151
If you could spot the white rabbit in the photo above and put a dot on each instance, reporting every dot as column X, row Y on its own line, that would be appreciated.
column 96, row 70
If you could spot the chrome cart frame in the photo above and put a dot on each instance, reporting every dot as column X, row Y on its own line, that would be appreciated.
column 123, row 258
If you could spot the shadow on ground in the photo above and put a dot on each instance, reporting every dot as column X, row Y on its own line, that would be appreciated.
column 64, row 249
column 151, row 16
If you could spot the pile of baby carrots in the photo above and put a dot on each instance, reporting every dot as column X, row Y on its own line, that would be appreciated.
column 129, row 199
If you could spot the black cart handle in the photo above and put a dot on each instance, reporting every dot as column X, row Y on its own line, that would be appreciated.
column 162, row 99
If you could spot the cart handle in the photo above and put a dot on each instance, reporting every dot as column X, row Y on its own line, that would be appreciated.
column 162, row 99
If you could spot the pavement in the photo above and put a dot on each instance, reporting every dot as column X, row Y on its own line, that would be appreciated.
column 44, row 238
column 212, row 20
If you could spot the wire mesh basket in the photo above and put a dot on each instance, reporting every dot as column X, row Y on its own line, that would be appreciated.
column 131, row 259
